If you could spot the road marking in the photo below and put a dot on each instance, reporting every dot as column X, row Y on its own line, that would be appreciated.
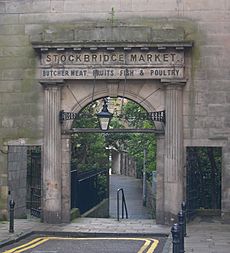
column 29, row 245
column 25, row 245
column 145, row 246
column 34, row 243
column 153, row 246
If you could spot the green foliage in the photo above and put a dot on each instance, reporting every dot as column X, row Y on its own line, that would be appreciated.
column 102, row 186
column 134, row 116
column 136, row 148
column 89, row 149
column 88, row 152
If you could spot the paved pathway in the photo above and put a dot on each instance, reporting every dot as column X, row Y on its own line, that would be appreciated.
column 207, row 236
column 133, row 195
column 204, row 235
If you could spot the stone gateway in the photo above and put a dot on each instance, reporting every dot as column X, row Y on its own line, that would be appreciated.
column 57, row 55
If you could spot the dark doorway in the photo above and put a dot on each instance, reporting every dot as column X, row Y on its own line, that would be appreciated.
column 203, row 180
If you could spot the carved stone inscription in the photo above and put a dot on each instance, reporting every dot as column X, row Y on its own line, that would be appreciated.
column 71, row 64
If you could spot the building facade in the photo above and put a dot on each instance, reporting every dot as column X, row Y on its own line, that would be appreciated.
column 170, row 56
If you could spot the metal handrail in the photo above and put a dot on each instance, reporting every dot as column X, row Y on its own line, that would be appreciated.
column 90, row 173
column 124, row 207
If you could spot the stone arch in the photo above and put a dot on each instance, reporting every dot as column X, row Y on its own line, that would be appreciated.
column 150, row 95
column 56, row 171
column 169, row 147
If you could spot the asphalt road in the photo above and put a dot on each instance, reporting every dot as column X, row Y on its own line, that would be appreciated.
column 44, row 244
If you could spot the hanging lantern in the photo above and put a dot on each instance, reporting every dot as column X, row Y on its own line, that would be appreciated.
column 104, row 117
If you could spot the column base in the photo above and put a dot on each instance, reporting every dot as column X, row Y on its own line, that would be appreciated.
column 225, row 217
column 51, row 217
column 66, row 216
column 160, row 219
column 170, row 218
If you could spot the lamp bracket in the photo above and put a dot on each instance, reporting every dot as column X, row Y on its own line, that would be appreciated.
column 157, row 116
column 154, row 116
column 67, row 116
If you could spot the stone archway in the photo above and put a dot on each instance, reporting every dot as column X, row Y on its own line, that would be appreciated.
column 57, row 148
column 156, row 86
column 137, row 92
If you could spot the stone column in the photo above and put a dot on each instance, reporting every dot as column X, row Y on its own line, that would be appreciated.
column 66, row 182
column 160, row 179
column 173, row 173
column 51, row 172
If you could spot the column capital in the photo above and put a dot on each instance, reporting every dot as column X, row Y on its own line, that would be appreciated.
column 174, row 83
column 51, row 83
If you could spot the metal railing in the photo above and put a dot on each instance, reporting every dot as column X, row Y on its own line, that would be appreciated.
column 89, row 188
column 123, row 204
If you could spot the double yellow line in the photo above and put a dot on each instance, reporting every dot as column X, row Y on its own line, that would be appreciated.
column 32, row 244
column 148, row 247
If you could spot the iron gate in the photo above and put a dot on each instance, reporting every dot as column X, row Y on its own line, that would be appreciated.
column 203, row 179
column 34, row 180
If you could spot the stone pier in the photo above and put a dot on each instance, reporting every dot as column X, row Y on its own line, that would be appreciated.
column 52, row 176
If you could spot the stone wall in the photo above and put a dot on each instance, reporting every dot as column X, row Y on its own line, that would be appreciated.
column 17, row 172
column 206, row 97
column 99, row 211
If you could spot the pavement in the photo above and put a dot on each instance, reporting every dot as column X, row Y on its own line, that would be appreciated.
column 207, row 235
column 133, row 194
column 83, row 226
column 204, row 235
